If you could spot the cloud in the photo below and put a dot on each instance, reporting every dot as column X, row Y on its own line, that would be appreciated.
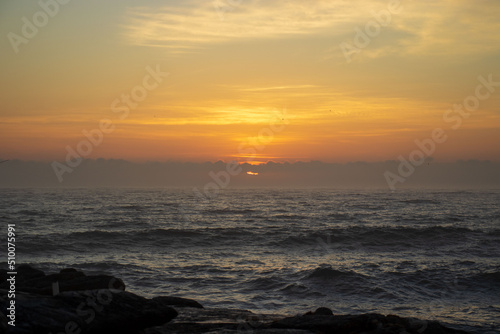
column 121, row 173
column 420, row 28
column 186, row 28
column 457, row 27
column 429, row 28
column 259, row 89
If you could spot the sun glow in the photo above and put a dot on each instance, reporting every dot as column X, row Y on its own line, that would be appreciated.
column 252, row 173
column 254, row 82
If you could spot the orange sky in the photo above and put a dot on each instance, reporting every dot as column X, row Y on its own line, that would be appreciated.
column 258, row 80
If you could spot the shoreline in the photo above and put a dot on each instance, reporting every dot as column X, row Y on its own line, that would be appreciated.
column 72, row 302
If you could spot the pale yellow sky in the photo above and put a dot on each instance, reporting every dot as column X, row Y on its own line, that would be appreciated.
column 237, row 68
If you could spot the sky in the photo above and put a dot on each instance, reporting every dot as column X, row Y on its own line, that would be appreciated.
column 249, row 80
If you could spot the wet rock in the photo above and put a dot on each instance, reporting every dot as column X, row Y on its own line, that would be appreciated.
column 26, row 272
column 362, row 323
column 36, row 281
column 93, row 311
column 215, row 320
column 321, row 311
column 3, row 321
column 178, row 302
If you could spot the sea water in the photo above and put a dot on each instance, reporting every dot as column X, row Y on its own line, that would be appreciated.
column 421, row 253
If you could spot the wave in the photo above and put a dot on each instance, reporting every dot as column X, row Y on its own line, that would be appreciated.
column 86, row 235
column 370, row 207
column 341, row 216
column 373, row 236
column 346, row 238
column 327, row 272
column 420, row 201
column 327, row 280
column 153, row 233
column 38, row 213
column 488, row 278
column 419, row 285
column 133, row 207
column 227, row 211
column 172, row 233
column 265, row 283
column 288, row 217
column 446, row 281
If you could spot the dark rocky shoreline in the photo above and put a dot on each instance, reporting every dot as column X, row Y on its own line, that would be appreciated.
column 74, row 303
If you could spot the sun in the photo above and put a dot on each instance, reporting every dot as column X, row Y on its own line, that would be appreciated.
column 252, row 173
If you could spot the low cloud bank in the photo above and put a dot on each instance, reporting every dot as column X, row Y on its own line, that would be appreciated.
column 121, row 173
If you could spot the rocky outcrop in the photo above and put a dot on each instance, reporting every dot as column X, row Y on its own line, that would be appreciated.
column 215, row 320
column 35, row 281
column 321, row 321
column 91, row 311
column 177, row 302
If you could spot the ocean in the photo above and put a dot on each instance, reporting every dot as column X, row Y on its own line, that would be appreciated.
column 421, row 253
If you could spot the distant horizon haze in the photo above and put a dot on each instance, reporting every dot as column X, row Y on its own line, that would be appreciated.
column 219, row 175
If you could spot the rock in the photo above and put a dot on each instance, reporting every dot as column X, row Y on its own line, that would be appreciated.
column 260, row 331
column 178, row 302
column 26, row 272
column 3, row 321
column 93, row 311
column 362, row 323
column 215, row 320
column 321, row 311
column 33, row 280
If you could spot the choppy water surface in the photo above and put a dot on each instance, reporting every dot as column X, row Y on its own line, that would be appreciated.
column 430, row 254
